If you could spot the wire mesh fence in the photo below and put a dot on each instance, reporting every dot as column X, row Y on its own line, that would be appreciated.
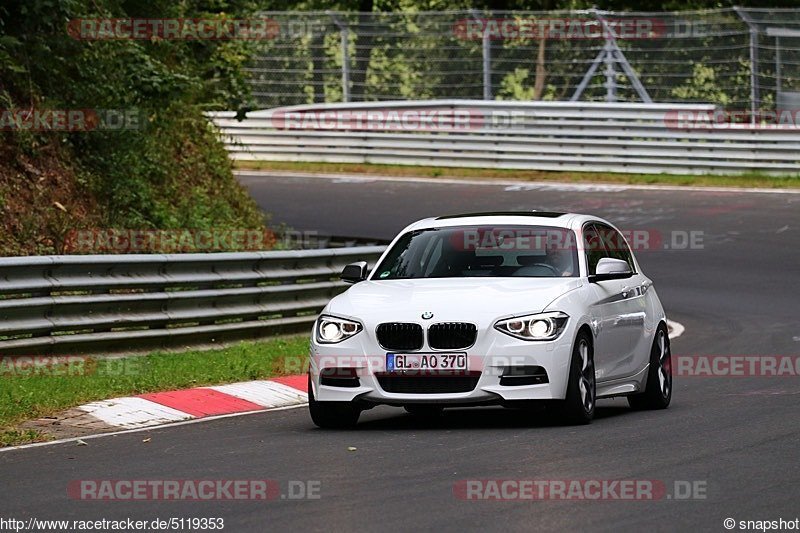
column 742, row 59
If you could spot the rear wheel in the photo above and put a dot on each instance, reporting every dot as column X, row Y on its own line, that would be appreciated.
column 332, row 415
column 658, row 391
column 578, row 406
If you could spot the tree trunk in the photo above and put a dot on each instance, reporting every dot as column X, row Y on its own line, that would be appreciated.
column 541, row 71
column 318, row 66
column 364, row 43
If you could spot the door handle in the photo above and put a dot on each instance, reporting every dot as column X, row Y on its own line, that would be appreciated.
column 626, row 291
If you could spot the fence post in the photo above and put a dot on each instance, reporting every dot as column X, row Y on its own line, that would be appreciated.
column 778, row 67
column 487, row 66
column 345, row 35
column 486, row 52
column 755, row 98
column 610, row 72
column 610, row 55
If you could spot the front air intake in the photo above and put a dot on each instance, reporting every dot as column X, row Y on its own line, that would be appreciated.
column 399, row 336
column 441, row 383
column 452, row 335
column 514, row 376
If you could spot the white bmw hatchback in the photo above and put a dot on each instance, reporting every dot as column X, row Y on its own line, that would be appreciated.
column 508, row 308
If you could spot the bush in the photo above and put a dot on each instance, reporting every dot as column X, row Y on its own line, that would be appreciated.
column 169, row 171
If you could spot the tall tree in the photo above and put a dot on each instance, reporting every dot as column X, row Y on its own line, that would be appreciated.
column 365, row 34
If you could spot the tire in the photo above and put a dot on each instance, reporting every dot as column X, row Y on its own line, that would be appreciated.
column 658, row 391
column 332, row 415
column 424, row 411
column 579, row 405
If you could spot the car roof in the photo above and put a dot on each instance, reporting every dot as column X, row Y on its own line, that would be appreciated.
column 513, row 218
column 544, row 214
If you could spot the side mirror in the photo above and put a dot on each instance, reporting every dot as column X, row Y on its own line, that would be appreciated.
column 608, row 268
column 354, row 272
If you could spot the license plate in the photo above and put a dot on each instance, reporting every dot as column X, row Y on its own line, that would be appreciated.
column 396, row 362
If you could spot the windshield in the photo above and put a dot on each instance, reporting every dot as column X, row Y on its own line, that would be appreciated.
column 487, row 251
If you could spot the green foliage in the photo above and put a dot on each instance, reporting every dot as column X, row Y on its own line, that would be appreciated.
column 516, row 85
column 169, row 171
column 703, row 86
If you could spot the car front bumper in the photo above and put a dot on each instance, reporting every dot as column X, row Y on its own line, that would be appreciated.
column 492, row 353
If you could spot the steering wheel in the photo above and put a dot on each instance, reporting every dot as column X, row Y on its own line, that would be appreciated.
column 551, row 268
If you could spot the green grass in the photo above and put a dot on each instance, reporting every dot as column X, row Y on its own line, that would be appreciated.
column 752, row 179
column 31, row 394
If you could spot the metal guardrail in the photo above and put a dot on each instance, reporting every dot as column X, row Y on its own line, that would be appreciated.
column 111, row 304
column 314, row 240
column 561, row 136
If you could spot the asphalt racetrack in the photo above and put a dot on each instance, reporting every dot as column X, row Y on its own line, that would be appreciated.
column 726, row 265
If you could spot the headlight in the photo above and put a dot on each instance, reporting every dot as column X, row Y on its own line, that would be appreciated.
column 540, row 327
column 331, row 330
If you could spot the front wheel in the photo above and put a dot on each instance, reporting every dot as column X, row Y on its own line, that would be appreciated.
column 658, row 391
column 332, row 415
column 578, row 406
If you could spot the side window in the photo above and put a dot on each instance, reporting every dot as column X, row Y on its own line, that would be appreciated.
column 615, row 244
column 593, row 247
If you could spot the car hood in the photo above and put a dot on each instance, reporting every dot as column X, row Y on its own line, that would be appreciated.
column 477, row 300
